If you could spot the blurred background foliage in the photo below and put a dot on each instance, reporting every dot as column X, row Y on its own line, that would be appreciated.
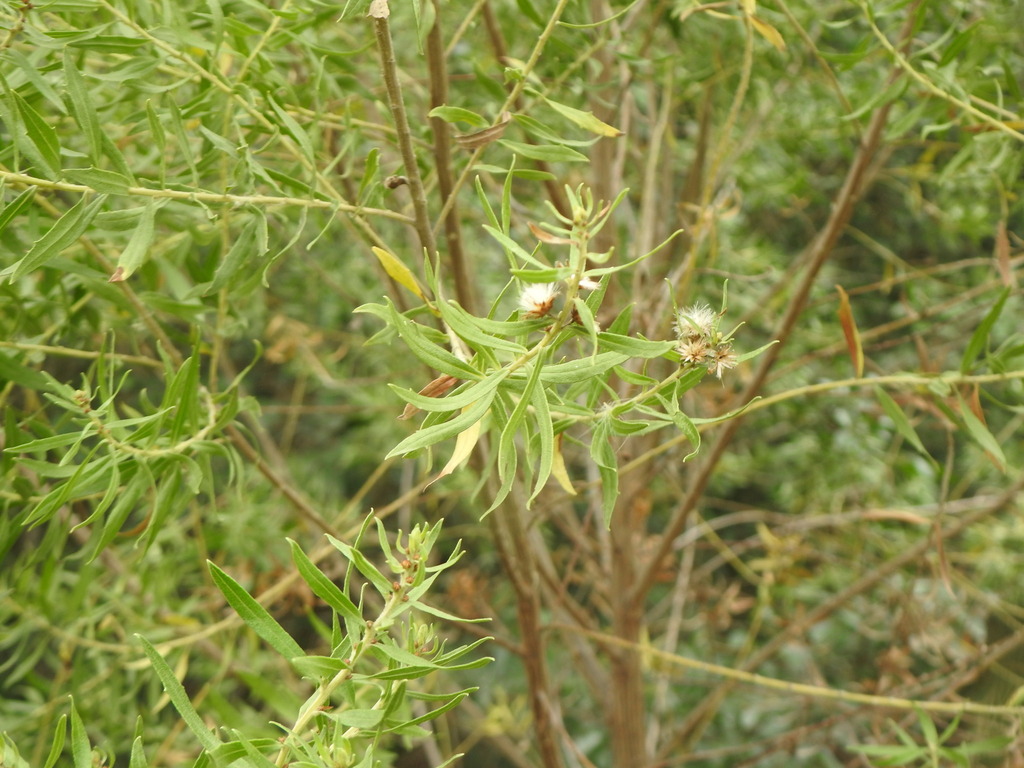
column 230, row 160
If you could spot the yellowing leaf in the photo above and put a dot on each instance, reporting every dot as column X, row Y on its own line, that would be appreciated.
column 584, row 120
column 768, row 32
column 558, row 470
column 398, row 271
column 846, row 320
column 464, row 445
column 750, row 7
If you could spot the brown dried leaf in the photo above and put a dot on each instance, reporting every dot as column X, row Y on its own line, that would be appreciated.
column 546, row 237
column 1002, row 254
column 439, row 387
column 487, row 135
column 849, row 324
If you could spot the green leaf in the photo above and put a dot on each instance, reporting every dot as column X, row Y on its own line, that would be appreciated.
column 453, row 701
column 453, row 402
column 380, row 582
column 585, row 120
column 979, row 339
column 902, row 423
column 108, row 182
column 546, row 441
column 293, row 129
column 577, row 370
column 458, row 115
column 255, row 615
column 507, row 450
column 57, row 745
column 634, row 347
column 156, row 128
column 548, row 153
column 12, row 370
column 182, row 137
column 982, row 436
column 63, row 234
column 318, row 667
column 363, row 719
column 82, row 108
column 603, row 455
column 467, row 327
column 431, row 354
column 42, row 145
column 513, row 248
column 438, row 432
column 322, row 586
column 107, row 43
column 180, row 700
column 134, row 254
column 881, row 97
column 250, row 245
column 138, row 755
column 688, row 428
column 81, row 751
column 13, row 208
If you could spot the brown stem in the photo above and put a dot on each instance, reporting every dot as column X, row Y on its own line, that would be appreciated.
column 518, row 559
column 396, row 102
column 626, row 708
column 699, row 717
column 554, row 190
column 857, row 179
column 443, row 163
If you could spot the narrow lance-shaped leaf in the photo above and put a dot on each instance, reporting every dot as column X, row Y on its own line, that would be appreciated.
column 558, row 469
column 81, row 751
column 438, row 432
column 61, row 235
column 13, row 208
column 768, row 32
column 980, row 336
column 585, row 120
column 849, row 325
column 507, row 451
column 983, row 437
column 179, row 698
column 545, row 440
column 42, row 143
column 457, row 115
column 322, row 586
column 364, row 566
column 433, row 355
column 469, row 328
column 255, row 615
column 397, row 271
column 464, row 445
column 902, row 423
column 57, row 745
column 99, row 179
column 134, row 254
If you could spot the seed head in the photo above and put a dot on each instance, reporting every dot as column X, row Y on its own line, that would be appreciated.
column 695, row 322
column 537, row 299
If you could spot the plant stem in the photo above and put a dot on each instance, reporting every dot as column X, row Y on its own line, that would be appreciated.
column 443, row 164
column 396, row 102
column 207, row 197
column 519, row 562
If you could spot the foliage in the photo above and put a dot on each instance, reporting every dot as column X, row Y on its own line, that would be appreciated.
column 237, row 238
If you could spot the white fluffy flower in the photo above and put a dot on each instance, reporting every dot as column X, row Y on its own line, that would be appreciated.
column 722, row 359
column 537, row 298
column 695, row 322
